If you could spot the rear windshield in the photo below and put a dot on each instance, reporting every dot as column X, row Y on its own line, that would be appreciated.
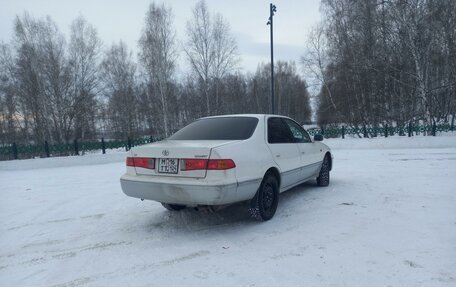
column 229, row 128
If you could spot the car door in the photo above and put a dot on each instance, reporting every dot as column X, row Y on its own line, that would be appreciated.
column 310, row 152
column 284, row 151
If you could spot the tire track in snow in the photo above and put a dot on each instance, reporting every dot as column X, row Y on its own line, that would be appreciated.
column 92, row 216
column 137, row 268
column 72, row 252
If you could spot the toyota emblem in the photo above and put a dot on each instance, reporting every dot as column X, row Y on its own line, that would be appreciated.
column 165, row 152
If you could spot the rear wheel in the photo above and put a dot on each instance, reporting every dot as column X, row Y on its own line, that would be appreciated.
column 173, row 207
column 323, row 176
column 264, row 205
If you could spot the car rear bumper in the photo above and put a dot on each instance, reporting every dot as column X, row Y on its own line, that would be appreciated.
column 179, row 193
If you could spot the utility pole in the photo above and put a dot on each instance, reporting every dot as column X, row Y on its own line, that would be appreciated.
column 272, row 9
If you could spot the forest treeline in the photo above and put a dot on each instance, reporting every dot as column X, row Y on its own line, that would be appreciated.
column 377, row 62
column 385, row 62
column 56, row 88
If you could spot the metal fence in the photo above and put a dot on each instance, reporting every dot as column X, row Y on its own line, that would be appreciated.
column 14, row 151
column 385, row 130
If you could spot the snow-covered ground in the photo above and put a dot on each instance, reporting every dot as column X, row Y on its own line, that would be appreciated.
column 388, row 218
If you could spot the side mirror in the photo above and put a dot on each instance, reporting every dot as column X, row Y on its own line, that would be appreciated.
column 318, row 138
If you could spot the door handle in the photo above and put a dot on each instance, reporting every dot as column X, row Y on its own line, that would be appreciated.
column 277, row 155
column 302, row 152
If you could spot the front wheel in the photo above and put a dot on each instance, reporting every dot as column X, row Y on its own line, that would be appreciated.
column 323, row 176
column 264, row 205
column 173, row 207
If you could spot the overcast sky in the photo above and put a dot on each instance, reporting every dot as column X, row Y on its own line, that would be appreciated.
column 119, row 19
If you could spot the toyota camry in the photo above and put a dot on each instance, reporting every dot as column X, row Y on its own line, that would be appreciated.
column 216, row 161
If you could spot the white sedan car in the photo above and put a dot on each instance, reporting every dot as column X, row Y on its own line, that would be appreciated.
column 220, row 160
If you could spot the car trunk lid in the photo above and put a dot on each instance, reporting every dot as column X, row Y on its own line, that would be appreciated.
column 169, row 155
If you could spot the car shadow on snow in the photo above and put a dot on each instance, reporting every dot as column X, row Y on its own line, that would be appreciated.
column 231, row 216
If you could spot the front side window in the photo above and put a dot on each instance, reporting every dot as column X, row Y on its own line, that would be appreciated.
column 220, row 128
column 298, row 132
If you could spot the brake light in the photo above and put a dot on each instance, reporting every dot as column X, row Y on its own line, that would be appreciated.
column 203, row 164
column 193, row 164
column 144, row 162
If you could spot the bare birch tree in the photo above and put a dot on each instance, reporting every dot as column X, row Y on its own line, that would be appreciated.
column 117, row 74
column 84, row 52
column 56, row 82
column 226, row 57
column 158, row 55
column 29, row 86
column 211, row 50
column 9, row 123
column 316, row 60
column 199, row 47
column 41, row 72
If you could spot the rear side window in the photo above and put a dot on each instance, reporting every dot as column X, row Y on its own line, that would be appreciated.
column 278, row 131
column 223, row 128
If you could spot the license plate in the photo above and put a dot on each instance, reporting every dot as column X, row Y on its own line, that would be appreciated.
column 168, row 165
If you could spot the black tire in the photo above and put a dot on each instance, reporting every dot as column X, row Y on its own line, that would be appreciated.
column 264, row 205
column 173, row 207
column 323, row 176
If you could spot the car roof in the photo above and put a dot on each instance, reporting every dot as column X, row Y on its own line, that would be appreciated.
column 259, row 116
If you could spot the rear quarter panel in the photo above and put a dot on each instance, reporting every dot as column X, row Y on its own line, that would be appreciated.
column 252, row 158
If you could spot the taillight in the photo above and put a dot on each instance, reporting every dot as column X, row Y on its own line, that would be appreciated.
column 193, row 164
column 203, row 164
column 220, row 164
column 144, row 162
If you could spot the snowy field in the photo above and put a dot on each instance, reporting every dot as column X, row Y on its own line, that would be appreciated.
column 388, row 218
